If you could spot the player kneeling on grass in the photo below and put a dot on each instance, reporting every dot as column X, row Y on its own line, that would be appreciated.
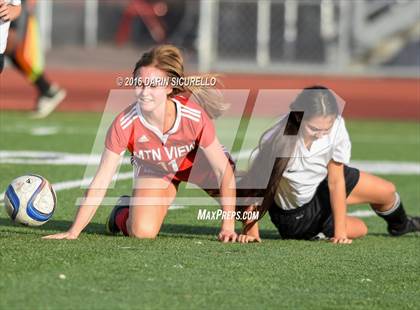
column 165, row 133
column 311, row 185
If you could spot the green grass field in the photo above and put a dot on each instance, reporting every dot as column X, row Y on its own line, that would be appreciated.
column 185, row 267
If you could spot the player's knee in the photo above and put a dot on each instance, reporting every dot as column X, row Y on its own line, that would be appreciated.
column 143, row 232
column 360, row 232
column 363, row 230
column 389, row 190
column 356, row 228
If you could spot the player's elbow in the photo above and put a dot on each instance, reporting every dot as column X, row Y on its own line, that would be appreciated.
column 225, row 174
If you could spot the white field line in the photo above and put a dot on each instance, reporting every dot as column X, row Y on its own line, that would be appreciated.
column 362, row 213
column 62, row 158
column 371, row 166
column 57, row 128
column 44, row 131
column 60, row 186
column 50, row 158
column 51, row 130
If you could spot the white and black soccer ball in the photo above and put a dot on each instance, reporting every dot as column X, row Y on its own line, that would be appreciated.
column 30, row 200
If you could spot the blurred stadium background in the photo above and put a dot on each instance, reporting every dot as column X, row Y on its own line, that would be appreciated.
column 366, row 50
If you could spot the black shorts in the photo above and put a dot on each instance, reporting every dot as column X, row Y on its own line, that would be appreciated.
column 314, row 217
column 1, row 62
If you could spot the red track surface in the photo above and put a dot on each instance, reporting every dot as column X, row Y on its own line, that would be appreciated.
column 378, row 98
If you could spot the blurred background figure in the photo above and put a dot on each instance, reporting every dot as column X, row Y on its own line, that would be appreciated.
column 354, row 47
column 149, row 13
column 25, row 52
column 9, row 10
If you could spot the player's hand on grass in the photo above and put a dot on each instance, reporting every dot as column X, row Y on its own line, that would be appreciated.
column 248, row 239
column 227, row 236
column 65, row 235
column 341, row 239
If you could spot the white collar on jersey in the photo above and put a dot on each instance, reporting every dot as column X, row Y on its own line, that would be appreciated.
column 155, row 130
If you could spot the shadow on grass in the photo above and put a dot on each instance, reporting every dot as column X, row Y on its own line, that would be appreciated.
column 378, row 234
column 168, row 230
column 193, row 230
column 410, row 235
column 47, row 228
column 172, row 230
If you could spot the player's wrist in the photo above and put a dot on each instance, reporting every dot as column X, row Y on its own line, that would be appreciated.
column 340, row 225
column 340, row 233
column 74, row 232
column 228, row 224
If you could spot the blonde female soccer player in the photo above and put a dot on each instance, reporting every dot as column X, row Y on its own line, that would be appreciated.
column 164, row 132
column 311, row 183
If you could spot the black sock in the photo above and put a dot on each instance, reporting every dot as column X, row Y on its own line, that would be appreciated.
column 396, row 216
column 40, row 83
column 43, row 86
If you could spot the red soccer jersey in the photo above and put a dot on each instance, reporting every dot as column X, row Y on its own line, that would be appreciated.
column 161, row 154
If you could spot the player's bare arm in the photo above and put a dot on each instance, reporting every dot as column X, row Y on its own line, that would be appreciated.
column 224, row 173
column 250, row 231
column 336, row 185
column 93, row 197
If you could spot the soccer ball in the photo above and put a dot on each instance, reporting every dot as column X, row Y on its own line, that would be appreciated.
column 30, row 200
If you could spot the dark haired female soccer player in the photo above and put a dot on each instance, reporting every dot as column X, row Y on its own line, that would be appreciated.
column 163, row 131
column 311, row 186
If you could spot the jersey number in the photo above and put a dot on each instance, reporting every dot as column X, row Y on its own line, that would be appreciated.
column 170, row 166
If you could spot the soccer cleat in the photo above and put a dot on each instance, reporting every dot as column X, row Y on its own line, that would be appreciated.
column 48, row 102
column 320, row 236
column 111, row 226
column 413, row 225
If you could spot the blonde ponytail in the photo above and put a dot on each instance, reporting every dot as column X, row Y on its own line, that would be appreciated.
column 210, row 98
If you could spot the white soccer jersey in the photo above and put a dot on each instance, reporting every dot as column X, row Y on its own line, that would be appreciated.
column 4, row 28
column 308, row 168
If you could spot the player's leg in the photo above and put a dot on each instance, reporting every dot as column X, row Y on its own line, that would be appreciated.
column 148, row 206
column 379, row 193
column 25, row 61
column 152, row 199
column 383, row 198
column 117, row 219
column 29, row 63
column 355, row 227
